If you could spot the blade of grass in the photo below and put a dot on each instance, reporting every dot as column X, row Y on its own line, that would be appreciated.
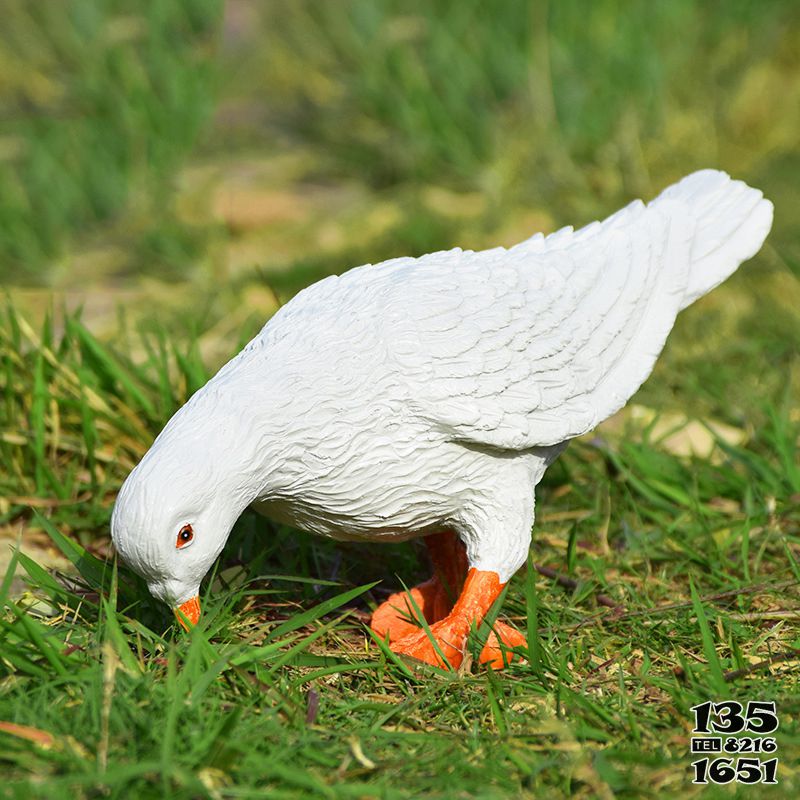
column 299, row 620
column 532, row 620
column 108, row 365
column 5, row 587
column 420, row 617
column 38, row 635
column 716, row 673
column 91, row 569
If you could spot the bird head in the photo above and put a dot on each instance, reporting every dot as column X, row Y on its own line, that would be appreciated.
column 169, row 524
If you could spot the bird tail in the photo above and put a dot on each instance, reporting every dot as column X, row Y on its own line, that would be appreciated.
column 731, row 222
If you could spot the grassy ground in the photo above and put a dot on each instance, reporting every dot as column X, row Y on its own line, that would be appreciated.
column 281, row 690
column 335, row 140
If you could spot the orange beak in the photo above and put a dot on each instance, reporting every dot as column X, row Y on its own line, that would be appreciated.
column 190, row 610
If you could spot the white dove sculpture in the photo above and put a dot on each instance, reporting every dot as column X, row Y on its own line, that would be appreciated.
column 426, row 397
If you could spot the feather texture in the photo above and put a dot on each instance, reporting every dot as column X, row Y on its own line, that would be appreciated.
column 530, row 346
column 420, row 394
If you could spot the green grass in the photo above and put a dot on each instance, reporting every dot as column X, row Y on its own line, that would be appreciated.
column 459, row 123
column 550, row 103
column 281, row 689
column 101, row 99
column 548, row 106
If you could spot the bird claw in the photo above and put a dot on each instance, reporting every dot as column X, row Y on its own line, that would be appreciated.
column 446, row 639
column 396, row 616
column 450, row 637
column 492, row 654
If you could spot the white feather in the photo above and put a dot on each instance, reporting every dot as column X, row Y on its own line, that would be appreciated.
column 430, row 393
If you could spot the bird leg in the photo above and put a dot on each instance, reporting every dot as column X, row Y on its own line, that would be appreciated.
column 434, row 598
column 481, row 589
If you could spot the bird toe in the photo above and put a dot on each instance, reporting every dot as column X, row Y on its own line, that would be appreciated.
column 397, row 617
column 496, row 656
column 443, row 647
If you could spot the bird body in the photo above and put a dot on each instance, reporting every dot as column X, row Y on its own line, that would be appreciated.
column 430, row 394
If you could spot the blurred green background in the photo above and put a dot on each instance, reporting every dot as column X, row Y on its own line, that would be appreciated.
column 197, row 162
column 178, row 168
column 196, row 139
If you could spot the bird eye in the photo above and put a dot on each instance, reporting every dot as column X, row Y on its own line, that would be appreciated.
column 185, row 535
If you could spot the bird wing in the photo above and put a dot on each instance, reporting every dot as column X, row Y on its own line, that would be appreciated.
column 533, row 345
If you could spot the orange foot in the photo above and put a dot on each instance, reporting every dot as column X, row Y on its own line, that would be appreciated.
column 451, row 641
column 451, row 638
column 450, row 634
column 396, row 615
column 492, row 655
